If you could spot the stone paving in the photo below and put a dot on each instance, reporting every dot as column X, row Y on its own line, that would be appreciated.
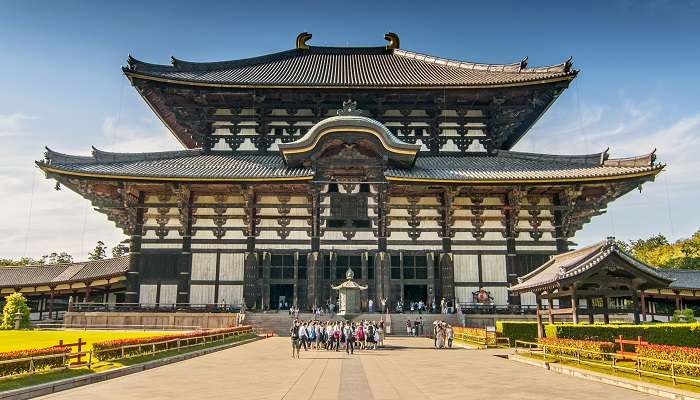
column 409, row 368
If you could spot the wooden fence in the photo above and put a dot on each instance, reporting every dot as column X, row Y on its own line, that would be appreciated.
column 627, row 362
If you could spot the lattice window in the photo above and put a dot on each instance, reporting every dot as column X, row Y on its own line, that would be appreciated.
column 348, row 210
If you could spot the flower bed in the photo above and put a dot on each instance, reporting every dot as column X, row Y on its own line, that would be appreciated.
column 112, row 349
column 671, row 353
column 22, row 366
column 572, row 347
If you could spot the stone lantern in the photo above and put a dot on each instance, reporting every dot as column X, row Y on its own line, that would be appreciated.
column 349, row 295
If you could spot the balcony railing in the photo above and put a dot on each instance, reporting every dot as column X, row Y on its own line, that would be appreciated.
column 154, row 307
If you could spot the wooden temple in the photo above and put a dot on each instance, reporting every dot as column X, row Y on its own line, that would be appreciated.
column 301, row 164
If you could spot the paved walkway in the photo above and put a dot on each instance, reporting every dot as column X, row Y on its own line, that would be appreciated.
column 410, row 369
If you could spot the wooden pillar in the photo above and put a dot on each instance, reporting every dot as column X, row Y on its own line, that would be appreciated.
column 550, row 316
column 574, row 308
column 41, row 306
column 87, row 292
column 589, row 306
column 678, row 300
column 644, row 306
column 538, row 314
column 133, row 280
column 635, row 306
column 606, row 314
column 51, row 302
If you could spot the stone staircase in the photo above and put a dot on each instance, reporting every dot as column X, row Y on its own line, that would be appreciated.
column 398, row 322
column 280, row 322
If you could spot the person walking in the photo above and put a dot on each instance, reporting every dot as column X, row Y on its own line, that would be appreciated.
column 450, row 335
column 294, row 333
column 349, row 333
column 303, row 335
column 408, row 327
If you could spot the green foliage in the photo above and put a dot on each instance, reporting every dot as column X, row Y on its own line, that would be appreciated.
column 99, row 252
column 20, row 262
column 121, row 249
column 57, row 258
column 517, row 330
column 657, row 251
column 687, row 315
column 685, row 334
column 15, row 303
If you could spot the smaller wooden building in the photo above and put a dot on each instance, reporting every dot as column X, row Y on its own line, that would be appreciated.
column 594, row 280
column 50, row 287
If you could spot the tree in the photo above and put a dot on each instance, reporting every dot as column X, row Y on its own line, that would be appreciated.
column 57, row 258
column 22, row 261
column 99, row 253
column 657, row 251
column 14, row 303
column 121, row 249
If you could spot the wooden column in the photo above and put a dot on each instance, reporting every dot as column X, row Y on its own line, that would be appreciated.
column 635, row 306
column 606, row 314
column 51, row 301
column 42, row 301
column 574, row 308
column 87, row 292
column 589, row 306
column 644, row 306
column 550, row 316
column 678, row 300
column 132, row 276
column 538, row 313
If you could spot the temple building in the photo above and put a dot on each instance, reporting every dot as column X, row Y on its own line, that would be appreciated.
column 301, row 164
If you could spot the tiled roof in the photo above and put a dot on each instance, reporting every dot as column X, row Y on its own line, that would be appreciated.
column 683, row 278
column 349, row 67
column 196, row 164
column 517, row 166
column 568, row 265
column 185, row 164
column 62, row 273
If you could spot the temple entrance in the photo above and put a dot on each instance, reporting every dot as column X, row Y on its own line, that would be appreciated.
column 415, row 293
column 281, row 294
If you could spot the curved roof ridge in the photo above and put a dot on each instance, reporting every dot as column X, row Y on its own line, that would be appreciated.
column 644, row 160
column 595, row 159
column 519, row 67
column 108, row 156
column 51, row 156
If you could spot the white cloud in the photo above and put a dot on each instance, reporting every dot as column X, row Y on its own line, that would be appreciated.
column 40, row 219
column 138, row 137
column 13, row 124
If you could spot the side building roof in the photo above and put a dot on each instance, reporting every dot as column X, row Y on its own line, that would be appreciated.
column 51, row 275
column 566, row 267
column 198, row 165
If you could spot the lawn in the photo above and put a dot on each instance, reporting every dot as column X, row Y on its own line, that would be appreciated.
column 27, row 339
column 16, row 382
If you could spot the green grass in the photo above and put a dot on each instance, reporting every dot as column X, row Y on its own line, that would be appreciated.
column 29, row 339
column 623, row 374
column 16, row 382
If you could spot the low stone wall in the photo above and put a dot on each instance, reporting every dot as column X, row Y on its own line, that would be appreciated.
column 153, row 320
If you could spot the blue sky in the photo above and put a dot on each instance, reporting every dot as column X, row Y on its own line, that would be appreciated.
column 61, row 86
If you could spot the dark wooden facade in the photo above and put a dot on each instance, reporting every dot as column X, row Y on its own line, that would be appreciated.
column 417, row 192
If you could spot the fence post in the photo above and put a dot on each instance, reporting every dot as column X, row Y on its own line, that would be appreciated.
column 122, row 351
column 673, row 373
column 544, row 352
column 578, row 356
column 31, row 365
column 178, row 345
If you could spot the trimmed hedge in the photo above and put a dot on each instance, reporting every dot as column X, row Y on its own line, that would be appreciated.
column 669, row 334
column 571, row 347
column 111, row 349
column 517, row 330
column 21, row 367
column 671, row 353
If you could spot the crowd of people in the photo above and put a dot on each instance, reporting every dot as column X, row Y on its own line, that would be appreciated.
column 336, row 336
